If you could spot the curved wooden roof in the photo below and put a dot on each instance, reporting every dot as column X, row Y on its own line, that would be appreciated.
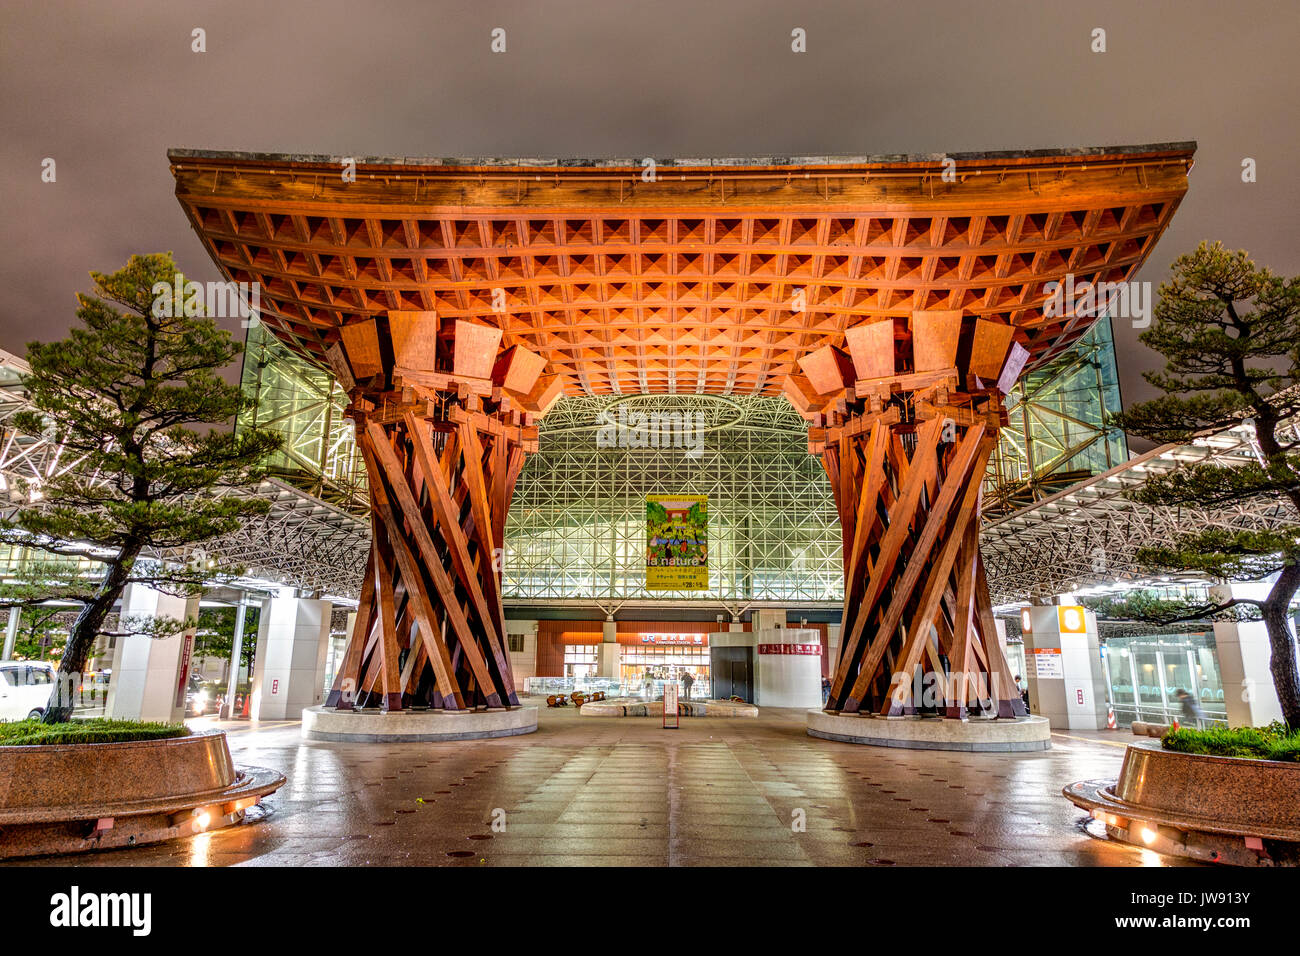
column 692, row 282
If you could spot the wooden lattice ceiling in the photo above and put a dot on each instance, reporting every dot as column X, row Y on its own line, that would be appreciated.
column 689, row 283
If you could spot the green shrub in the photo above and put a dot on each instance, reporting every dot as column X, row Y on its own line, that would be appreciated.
column 99, row 730
column 1287, row 749
column 1257, row 743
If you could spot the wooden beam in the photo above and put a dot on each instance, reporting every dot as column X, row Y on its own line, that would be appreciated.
column 940, row 568
column 517, row 370
column 387, row 632
column 989, row 347
column 432, row 561
column 415, row 339
column 872, row 346
column 452, row 533
column 900, row 517
column 410, row 571
column 958, row 479
column 475, row 350
column 342, row 695
column 829, row 370
column 935, row 336
column 361, row 342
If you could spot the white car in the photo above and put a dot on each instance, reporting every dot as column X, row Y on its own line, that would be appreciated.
column 25, row 689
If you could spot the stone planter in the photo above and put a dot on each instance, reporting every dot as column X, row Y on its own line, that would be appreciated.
column 636, row 707
column 68, row 798
column 1220, row 809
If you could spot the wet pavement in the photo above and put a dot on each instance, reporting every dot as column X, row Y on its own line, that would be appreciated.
column 624, row 791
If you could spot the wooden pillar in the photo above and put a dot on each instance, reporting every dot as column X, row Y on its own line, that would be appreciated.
column 905, row 424
column 444, row 421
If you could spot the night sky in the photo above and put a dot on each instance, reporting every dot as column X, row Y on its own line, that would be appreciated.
column 106, row 88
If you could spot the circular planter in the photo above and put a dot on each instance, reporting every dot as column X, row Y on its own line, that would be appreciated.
column 414, row 726
column 68, row 798
column 635, row 707
column 1221, row 809
column 976, row 735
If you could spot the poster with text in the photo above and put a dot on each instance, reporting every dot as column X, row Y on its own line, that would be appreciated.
column 676, row 547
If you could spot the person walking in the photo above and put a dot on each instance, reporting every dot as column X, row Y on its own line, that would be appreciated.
column 1022, row 686
column 826, row 690
column 1192, row 712
column 688, row 681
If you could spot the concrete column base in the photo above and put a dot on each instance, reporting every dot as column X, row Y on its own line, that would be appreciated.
column 978, row 734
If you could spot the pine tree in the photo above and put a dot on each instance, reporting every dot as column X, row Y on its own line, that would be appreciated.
column 125, row 393
column 1230, row 335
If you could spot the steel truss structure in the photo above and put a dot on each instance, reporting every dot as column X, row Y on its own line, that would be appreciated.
column 1089, row 534
column 302, row 542
column 1057, row 432
column 577, row 526
column 303, row 403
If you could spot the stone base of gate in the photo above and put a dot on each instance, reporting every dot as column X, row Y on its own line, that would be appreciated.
column 977, row 734
column 414, row 726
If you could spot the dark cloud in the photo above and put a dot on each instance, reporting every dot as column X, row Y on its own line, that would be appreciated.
column 106, row 88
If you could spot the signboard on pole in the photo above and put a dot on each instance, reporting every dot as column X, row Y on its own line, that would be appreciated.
column 183, row 677
column 1047, row 663
column 676, row 543
column 670, row 705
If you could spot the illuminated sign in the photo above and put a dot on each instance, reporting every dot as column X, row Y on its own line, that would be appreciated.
column 673, row 639
column 1072, row 619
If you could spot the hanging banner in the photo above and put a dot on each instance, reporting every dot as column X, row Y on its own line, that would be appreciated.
column 676, row 547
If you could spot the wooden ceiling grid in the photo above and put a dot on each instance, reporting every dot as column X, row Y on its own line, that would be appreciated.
column 687, row 284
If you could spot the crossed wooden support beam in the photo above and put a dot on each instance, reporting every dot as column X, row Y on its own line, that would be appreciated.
column 444, row 420
column 904, row 423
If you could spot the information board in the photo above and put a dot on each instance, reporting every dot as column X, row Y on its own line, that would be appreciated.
column 676, row 543
column 1047, row 663
column 670, row 705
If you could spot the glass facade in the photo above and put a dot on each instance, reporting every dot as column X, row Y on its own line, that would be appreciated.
column 577, row 524
column 1057, row 433
column 580, row 660
column 609, row 686
column 1146, row 673
column 303, row 404
column 645, row 669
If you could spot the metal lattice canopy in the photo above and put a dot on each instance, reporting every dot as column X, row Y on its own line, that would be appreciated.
column 576, row 531
column 1089, row 533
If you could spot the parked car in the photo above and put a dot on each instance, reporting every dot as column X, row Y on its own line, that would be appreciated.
column 25, row 688
column 200, row 698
